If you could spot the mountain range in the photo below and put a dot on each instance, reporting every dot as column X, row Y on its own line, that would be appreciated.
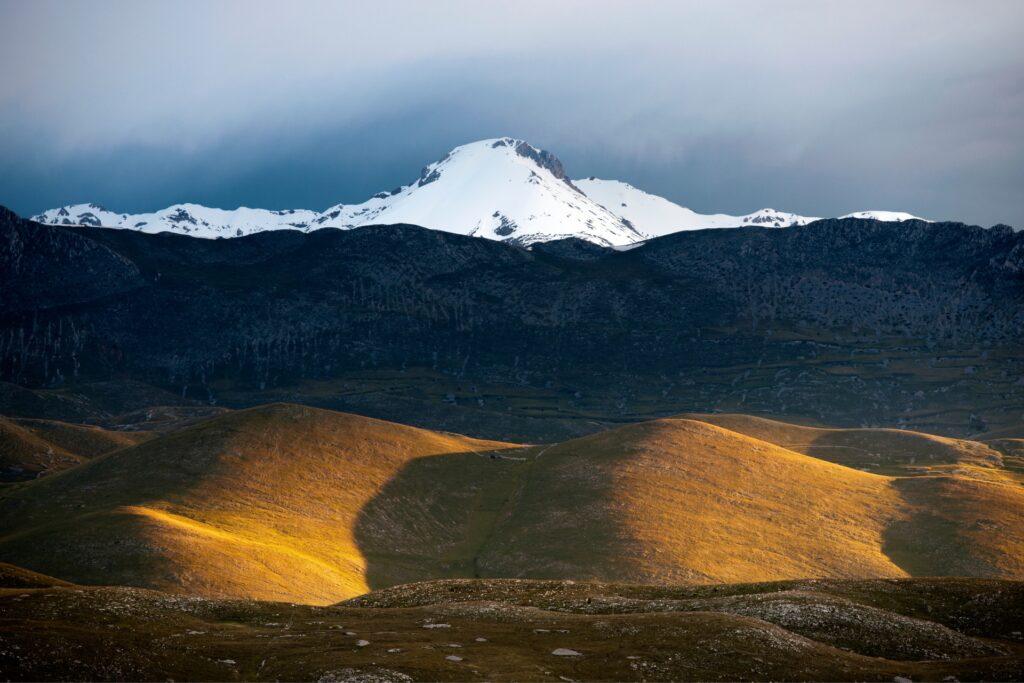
column 501, row 189
column 717, row 454
column 850, row 322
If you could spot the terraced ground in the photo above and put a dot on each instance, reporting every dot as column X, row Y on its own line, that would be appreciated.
column 473, row 629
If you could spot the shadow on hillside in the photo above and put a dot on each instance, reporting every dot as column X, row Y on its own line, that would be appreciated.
column 887, row 451
column 926, row 542
column 432, row 518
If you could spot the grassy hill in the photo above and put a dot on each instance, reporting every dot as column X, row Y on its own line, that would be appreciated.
column 883, row 451
column 670, row 500
column 258, row 503
column 284, row 502
column 12, row 576
column 32, row 448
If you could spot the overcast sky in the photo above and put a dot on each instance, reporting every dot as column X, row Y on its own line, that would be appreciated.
column 815, row 107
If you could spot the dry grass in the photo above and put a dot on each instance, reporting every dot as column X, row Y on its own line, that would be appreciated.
column 883, row 451
column 12, row 576
column 677, row 500
column 260, row 503
column 33, row 448
column 293, row 503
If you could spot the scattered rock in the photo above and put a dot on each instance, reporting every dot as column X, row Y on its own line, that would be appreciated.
column 373, row 675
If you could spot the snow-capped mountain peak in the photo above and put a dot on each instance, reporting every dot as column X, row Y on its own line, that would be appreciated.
column 500, row 188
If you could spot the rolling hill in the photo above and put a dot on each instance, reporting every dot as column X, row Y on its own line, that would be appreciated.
column 883, row 451
column 33, row 448
column 680, row 500
column 258, row 503
column 286, row 502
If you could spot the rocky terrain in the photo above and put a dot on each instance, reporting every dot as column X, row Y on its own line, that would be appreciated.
column 958, row 629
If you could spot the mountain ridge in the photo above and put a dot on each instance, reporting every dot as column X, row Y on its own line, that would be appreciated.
column 501, row 188
column 851, row 322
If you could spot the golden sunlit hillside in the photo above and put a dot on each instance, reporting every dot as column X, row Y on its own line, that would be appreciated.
column 883, row 451
column 679, row 500
column 258, row 503
column 31, row 448
column 293, row 503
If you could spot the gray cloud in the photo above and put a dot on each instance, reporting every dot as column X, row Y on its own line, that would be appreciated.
column 821, row 108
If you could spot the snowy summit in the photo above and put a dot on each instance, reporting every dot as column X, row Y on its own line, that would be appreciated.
column 501, row 189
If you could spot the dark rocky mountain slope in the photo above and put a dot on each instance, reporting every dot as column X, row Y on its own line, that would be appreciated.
column 847, row 321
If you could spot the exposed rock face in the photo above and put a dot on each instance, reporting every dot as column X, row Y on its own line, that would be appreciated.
column 546, row 160
column 506, row 226
column 425, row 179
column 849, row 321
column 181, row 216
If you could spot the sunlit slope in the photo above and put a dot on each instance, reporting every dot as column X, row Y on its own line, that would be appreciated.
column 285, row 502
column 30, row 448
column 883, row 451
column 259, row 503
column 679, row 500
column 23, row 455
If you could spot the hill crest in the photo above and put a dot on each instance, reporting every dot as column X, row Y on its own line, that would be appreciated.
column 286, row 502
